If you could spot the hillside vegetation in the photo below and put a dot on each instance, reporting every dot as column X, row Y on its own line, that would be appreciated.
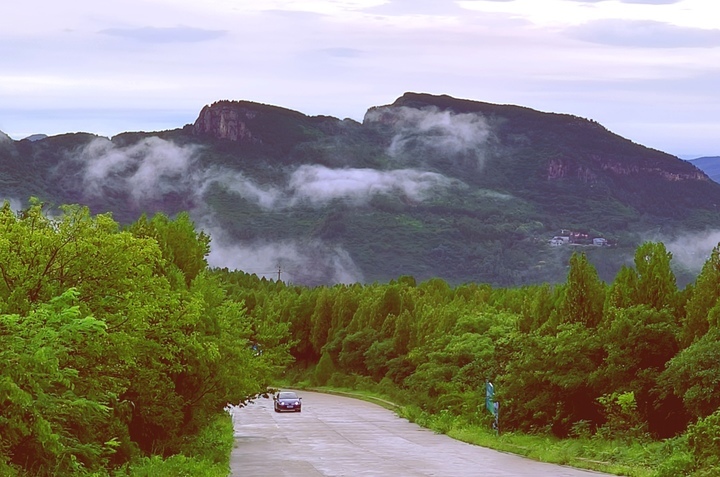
column 429, row 186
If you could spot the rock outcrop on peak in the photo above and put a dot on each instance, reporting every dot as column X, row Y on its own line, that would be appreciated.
column 226, row 120
column 246, row 122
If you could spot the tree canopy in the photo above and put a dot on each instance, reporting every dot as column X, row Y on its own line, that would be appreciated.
column 116, row 343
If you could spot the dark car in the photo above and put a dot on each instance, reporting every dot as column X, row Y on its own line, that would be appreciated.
column 287, row 401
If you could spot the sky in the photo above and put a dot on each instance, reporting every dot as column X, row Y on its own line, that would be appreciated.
column 648, row 70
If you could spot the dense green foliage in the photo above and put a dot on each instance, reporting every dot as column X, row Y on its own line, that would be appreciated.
column 119, row 349
column 118, row 344
column 630, row 361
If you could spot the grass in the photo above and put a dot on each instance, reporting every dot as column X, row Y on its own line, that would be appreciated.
column 613, row 457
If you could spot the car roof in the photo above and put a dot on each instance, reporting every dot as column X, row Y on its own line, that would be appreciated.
column 287, row 395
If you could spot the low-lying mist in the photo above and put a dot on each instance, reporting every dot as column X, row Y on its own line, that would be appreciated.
column 154, row 168
column 431, row 134
column 691, row 251
column 312, row 262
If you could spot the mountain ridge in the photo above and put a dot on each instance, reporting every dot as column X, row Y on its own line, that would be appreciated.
column 429, row 186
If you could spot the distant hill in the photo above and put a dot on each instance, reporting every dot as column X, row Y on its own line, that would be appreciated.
column 428, row 186
column 709, row 165
column 36, row 137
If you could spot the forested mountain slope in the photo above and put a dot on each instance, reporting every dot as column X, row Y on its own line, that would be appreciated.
column 429, row 186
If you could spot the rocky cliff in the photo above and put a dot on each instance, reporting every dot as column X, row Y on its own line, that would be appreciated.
column 226, row 120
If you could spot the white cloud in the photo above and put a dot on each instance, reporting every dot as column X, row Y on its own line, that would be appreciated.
column 687, row 13
column 165, row 35
column 146, row 170
column 442, row 132
column 319, row 185
column 645, row 34
column 15, row 204
column 693, row 250
column 153, row 167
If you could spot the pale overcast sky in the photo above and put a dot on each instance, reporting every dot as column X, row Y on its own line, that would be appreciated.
column 648, row 70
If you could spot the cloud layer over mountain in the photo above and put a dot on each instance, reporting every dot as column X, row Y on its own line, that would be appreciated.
column 419, row 132
column 153, row 168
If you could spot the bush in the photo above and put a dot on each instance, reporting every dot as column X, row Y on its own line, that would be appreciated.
column 681, row 463
column 388, row 388
column 622, row 417
column 581, row 429
column 412, row 413
column 704, row 440
column 341, row 380
column 214, row 442
column 206, row 455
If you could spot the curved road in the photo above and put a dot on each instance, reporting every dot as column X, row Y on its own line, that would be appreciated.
column 339, row 436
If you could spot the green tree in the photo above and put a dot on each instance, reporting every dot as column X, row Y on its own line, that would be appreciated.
column 584, row 294
column 324, row 370
column 354, row 347
column 622, row 291
column 639, row 341
column 693, row 375
column 48, row 426
column 183, row 248
column 560, row 359
column 154, row 355
column 656, row 285
column 321, row 319
column 402, row 333
column 301, row 326
column 537, row 308
column 378, row 357
column 702, row 308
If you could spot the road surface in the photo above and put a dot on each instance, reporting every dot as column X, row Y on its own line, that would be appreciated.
column 339, row 436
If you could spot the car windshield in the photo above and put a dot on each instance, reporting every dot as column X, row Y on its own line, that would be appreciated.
column 287, row 395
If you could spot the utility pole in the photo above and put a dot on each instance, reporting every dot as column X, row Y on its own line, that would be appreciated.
column 279, row 271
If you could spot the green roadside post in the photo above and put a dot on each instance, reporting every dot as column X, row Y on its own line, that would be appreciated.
column 492, row 406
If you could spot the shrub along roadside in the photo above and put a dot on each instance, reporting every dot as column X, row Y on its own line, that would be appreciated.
column 205, row 455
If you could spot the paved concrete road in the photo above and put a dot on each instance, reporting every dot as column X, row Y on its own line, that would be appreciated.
column 339, row 436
